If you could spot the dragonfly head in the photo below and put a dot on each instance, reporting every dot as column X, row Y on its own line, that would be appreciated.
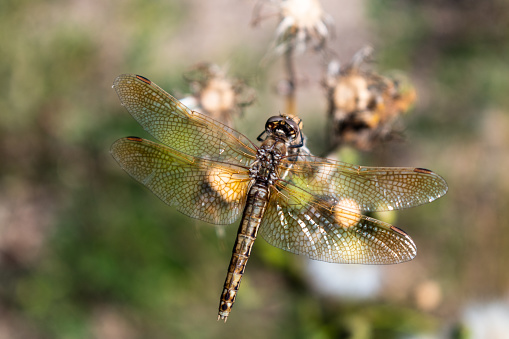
column 285, row 127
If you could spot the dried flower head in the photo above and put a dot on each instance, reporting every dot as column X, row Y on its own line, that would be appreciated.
column 301, row 22
column 364, row 105
column 216, row 95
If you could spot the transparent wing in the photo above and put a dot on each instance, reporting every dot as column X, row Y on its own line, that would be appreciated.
column 177, row 126
column 202, row 189
column 364, row 188
column 319, row 228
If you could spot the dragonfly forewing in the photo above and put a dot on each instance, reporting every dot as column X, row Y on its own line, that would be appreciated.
column 180, row 128
column 371, row 188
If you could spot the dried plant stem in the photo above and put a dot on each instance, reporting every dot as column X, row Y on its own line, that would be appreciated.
column 291, row 82
column 333, row 141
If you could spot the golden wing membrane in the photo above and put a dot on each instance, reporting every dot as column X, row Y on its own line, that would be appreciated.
column 322, row 229
column 180, row 128
column 209, row 191
column 369, row 188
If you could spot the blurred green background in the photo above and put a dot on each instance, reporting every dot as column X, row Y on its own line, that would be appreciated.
column 86, row 252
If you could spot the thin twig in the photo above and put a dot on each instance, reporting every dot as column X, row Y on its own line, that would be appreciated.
column 290, row 70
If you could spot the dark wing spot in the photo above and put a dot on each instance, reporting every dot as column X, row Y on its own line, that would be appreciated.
column 422, row 170
column 399, row 230
column 145, row 80
column 134, row 139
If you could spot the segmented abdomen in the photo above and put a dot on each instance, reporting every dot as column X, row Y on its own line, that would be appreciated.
column 256, row 205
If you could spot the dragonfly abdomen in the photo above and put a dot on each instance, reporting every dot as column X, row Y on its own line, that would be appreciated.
column 256, row 205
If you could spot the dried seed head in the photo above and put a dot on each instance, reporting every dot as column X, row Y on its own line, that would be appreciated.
column 215, row 94
column 225, row 184
column 347, row 213
column 301, row 22
column 218, row 96
column 364, row 104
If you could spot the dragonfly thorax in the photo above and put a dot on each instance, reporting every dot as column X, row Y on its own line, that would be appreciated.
column 266, row 167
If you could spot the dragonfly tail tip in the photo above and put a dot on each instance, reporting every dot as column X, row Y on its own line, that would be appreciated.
column 222, row 317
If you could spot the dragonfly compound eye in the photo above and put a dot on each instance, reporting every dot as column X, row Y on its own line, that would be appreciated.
column 282, row 126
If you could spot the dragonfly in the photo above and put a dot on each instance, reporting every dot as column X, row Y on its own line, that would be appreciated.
column 298, row 202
